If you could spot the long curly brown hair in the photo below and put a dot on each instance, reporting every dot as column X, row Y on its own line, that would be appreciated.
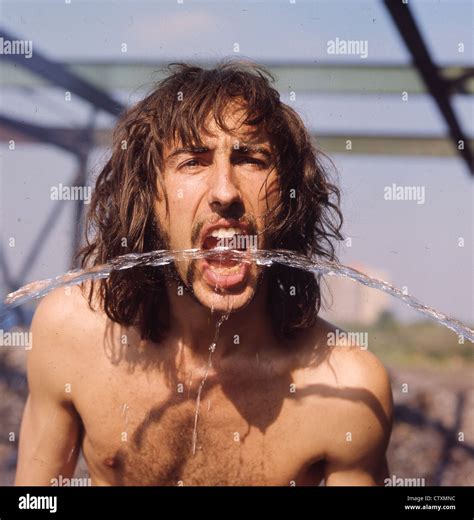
column 121, row 217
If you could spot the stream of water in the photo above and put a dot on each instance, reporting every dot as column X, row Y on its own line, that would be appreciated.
column 262, row 257
column 158, row 258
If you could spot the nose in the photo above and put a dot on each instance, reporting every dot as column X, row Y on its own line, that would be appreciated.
column 224, row 194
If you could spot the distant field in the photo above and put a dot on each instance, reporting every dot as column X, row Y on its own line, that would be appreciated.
column 421, row 344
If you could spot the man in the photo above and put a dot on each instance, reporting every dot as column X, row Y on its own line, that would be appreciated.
column 213, row 371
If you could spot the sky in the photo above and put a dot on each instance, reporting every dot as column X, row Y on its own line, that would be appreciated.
column 416, row 244
column 272, row 29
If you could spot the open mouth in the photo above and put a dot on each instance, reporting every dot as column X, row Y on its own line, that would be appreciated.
column 221, row 270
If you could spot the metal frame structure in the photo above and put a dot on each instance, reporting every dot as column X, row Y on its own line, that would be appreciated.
column 79, row 144
column 439, row 88
column 441, row 84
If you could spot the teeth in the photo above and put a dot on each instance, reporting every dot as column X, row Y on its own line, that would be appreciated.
column 226, row 232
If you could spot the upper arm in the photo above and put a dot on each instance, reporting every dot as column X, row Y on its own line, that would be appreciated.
column 362, row 424
column 50, row 430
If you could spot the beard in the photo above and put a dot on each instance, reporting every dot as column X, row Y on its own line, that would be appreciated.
column 186, row 280
column 170, row 272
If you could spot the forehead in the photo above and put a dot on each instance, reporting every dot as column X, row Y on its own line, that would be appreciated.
column 212, row 132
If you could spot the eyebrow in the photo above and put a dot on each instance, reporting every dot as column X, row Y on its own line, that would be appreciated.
column 250, row 148
column 244, row 148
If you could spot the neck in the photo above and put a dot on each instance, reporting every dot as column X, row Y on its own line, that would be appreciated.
column 244, row 332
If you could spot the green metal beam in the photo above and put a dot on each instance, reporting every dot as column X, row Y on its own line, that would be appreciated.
column 319, row 78
column 331, row 144
column 388, row 145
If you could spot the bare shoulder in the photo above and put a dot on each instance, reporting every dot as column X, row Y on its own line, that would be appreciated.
column 65, row 312
column 64, row 299
column 62, row 324
column 353, row 392
column 343, row 359
column 353, row 364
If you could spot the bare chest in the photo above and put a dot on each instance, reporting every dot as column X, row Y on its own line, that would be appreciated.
column 138, row 433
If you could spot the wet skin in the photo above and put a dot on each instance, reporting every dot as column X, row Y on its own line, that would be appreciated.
column 273, row 411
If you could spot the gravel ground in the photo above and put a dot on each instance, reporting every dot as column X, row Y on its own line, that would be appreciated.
column 433, row 433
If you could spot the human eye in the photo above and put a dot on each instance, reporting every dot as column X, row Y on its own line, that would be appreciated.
column 252, row 160
column 190, row 164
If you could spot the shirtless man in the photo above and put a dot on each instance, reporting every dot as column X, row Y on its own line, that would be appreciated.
column 121, row 369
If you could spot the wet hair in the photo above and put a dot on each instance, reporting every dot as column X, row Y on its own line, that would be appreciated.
column 121, row 217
